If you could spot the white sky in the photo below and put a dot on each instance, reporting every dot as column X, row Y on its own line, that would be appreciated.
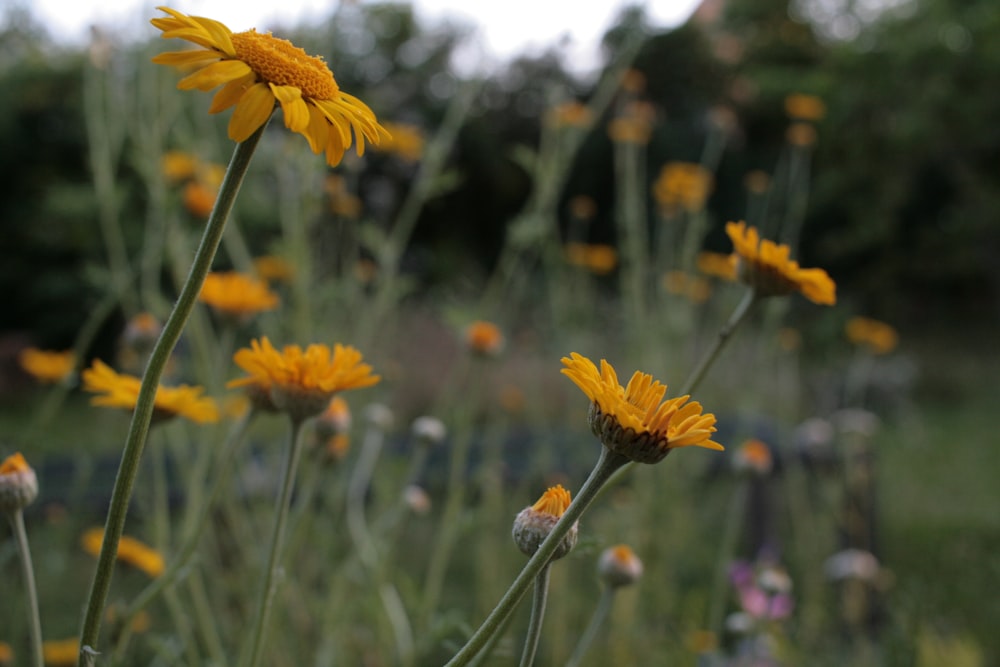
column 506, row 27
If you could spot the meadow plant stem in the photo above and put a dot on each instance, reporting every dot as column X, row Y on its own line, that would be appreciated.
column 128, row 469
column 31, row 594
column 269, row 585
column 368, row 553
column 606, row 466
column 727, row 549
column 725, row 333
column 596, row 621
column 539, row 598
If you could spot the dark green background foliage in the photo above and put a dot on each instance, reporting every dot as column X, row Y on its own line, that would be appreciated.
column 904, row 193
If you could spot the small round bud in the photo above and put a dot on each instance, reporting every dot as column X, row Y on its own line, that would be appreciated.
column 484, row 338
column 619, row 566
column 429, row 430
column 753, row 457
column 417, row 499
column 18, row 483
column 379, row 416
column 534, row 523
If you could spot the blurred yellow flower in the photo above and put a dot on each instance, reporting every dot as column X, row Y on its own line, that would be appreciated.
column 199, row 199
column 877, row 337
column 121, row 391
column 6, row 653
column 484, row 338
column 406, row 141
column 178, row 166
column 757, row 181
column 716, row 264
column 633, row 81
column 569, row 114
column 636, row 421
column 342, row 201
column 804, row 107
column 684, row 284
column 61, row 652
column 273, row 269
column 130, row 550
column 598, row 258
column 765, row 266
column 302, row 382
column 682, row 184
column 634, row 125
column 802, row 135
column 258, row 71
column 582, row 207
column 753, row 456
column 237, row 294
column 46, row 365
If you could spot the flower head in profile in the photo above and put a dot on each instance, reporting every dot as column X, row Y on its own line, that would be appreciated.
column 765, row 266
column 484, row 338
column 18, row 483
column 47, row 366
column 301, row 382
column 258, row 71
column 237, row 294
column 877, row 337
column 533, row 524
column 122, row 391
column 130, row 550
column 619, row 566
column 635, row 421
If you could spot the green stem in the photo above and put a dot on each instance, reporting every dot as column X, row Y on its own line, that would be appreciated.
column 539, row 598
column 596, row 621
column 269, row 587
column 21, row 536
column 132, row 454
column 606, row 466
column 725, row 333
column 730, row 537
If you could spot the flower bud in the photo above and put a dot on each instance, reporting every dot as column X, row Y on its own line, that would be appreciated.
column 18, row 483
column 534, row 523
column 619, row 566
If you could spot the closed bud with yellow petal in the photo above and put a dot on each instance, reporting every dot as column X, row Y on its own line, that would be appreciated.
column 533, row 524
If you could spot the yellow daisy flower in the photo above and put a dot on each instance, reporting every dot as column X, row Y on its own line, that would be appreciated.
column 258, row 71
column 598, row 258
column 301, row 382
column 237, row 294
column 765, row 266
column 635, row 421
column 877, row 337
column 130, row 550
column 47, row 366
column 273, row 269
column 682, row 184
column 122, row 391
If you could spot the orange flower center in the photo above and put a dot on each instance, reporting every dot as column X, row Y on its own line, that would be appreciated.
column 280, row 62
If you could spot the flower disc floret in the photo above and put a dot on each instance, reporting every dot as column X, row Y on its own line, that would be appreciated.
column 258, row 71
column 765, row 266
column 636, row 421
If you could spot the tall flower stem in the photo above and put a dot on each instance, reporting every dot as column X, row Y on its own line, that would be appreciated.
column 539, row 598
column 596, row 621
column 269, row 586
column 128, row 468
column 725, row 333
column 606, row 466
column 21, row 536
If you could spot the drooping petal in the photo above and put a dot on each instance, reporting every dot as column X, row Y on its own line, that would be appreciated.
column 215, row 75
column 293, row 107
column 231, row 93
column 252, row 111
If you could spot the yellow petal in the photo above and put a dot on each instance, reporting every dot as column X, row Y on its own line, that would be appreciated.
column 292, row 106
column 253, row 110
column 231, row 93
column 186, row 58
column 215, row 74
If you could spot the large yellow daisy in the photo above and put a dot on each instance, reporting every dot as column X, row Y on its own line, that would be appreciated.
column 636, row 421
column 765, row 266
column 257, row 71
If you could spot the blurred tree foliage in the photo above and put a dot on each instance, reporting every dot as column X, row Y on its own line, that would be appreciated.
column 905, row 190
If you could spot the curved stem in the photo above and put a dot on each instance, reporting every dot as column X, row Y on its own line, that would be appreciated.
column 539, row 598
column 269, row 587
column 21, row 536
column 606, row 465
column 596, row 621
column 139, row 428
